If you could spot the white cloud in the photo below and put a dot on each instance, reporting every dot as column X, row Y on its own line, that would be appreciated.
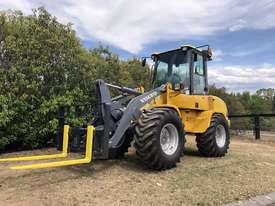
column 217, row 55
column 131, row 25
column 23, row 5
column 240, row 78
column 240, row 24
column 253, row 50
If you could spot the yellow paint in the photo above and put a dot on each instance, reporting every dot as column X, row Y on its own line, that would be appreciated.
column 43, row 157
column 195, row 110
column 168, row 106
column 87, row 159
column 140, row 89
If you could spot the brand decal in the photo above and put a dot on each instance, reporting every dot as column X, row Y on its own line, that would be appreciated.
column 149, row 97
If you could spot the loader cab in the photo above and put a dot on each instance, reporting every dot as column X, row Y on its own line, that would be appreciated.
column 185, row 68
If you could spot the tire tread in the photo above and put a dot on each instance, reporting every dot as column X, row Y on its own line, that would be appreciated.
column 206, row 141
column 146, row 137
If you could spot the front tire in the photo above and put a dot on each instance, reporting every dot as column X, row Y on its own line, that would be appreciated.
column 159, row 138
column 215, row 141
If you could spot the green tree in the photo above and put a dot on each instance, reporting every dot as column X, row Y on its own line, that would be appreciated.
column 39, row 69
column 43, row 65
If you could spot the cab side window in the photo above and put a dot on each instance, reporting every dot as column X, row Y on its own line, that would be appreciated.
column 162, row 74
column 181, row 72
column 199, row 75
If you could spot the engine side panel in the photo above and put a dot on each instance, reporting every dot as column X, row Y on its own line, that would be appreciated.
column 195, row 110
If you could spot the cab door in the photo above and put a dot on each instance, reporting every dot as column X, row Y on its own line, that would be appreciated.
column 199, row 74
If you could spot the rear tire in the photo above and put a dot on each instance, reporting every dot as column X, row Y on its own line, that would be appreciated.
column 159, row 138
column 215, row 141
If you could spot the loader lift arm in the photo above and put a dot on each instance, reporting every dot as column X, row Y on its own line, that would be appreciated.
column 114, row 119
column 132, row 113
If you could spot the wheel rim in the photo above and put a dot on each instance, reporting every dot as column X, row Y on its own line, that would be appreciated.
column 169, row 139
column 220, row 135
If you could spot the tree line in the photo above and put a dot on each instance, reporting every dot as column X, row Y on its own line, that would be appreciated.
column 43, row 65
column 263, row 101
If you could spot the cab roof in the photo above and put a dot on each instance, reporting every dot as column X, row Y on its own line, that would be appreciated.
column 180, row 48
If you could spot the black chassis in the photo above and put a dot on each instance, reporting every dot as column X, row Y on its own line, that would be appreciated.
column 116, row 116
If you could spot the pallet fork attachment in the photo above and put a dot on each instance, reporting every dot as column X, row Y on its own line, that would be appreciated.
column 87, row 159
column 43, row 157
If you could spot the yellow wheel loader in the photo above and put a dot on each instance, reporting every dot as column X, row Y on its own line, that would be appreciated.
column 157, row 120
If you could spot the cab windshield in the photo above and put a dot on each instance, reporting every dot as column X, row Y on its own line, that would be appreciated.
column 172, row 67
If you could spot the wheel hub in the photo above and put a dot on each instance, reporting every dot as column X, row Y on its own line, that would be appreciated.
column 169, row 139
column 220, row 135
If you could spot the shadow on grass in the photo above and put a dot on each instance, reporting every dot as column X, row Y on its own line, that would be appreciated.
column 133, row 163
column 130, row 162
column 91, row 169
column 191, row 152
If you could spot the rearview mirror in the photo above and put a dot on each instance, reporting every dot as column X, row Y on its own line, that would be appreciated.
column 143, row 63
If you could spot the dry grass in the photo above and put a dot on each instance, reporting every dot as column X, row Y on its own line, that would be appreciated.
column 248, row 170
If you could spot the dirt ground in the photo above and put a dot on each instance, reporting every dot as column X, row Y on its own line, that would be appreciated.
column 248, row 170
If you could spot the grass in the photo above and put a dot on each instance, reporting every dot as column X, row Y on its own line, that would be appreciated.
column 248, row 170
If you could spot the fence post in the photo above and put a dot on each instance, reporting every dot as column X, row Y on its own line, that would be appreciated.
column 257, row 128
column 61, row 122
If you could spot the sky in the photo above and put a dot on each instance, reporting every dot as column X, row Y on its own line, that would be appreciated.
column 241, row 32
